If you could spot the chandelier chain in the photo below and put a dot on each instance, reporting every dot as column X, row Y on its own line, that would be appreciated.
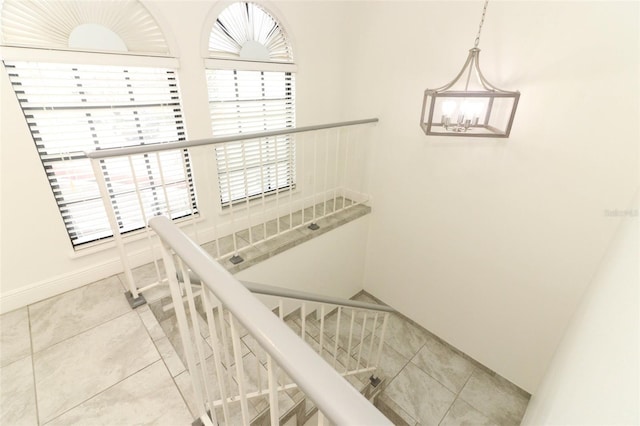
column 484, row 11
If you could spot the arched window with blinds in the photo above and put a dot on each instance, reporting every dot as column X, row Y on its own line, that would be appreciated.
column 75, row 100
column 251, row 88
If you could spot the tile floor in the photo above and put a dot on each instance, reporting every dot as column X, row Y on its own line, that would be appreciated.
column 84, row 357
column 431, row 383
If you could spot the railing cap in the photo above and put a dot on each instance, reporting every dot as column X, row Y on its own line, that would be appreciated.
column 143, row 149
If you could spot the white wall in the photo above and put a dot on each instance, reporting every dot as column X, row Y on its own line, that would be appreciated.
column 491, row 243
column 331, row 264
column 38, row 260
column 594, row 376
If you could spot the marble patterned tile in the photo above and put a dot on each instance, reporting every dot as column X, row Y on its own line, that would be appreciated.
column 169, row 325
column 443, row 364
column 462, row 414
column 256, row 378
column 365, row 297
column 311, row 325
column 264, row 230
column 225, row 245
column 156, row 293
column 404, row 336
column 82, row 366
column 239, row 327
column 163, row 309
column 393, row 412
column 68, row 314
column 251, row 256
column 15, row 340
column 148, row 397
column 391, row 361
column 169, row 356
column 495, row 397
column 17, row 394
column 284, row 241
column 255, row 348
column 295, row 219
column 150, row 322
column 422, row 397
column 145, row 275
column 183, row 381
column 343, row 329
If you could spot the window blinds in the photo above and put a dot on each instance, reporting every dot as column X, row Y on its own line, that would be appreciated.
column 74, row 108
column 249, row 102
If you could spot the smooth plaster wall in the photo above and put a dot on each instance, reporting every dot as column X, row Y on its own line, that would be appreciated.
column 37, row 258
column 331, row 264
column 593, row 378
column 489, row 243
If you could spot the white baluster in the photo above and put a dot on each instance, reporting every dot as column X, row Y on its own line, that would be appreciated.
column 237, row 353
column 273, row 392
column 197, row 334
column 215, row 346
column 373, row 335
column 335, row 347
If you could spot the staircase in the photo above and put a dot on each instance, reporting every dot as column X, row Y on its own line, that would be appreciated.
column 295, row 407
column 357, row 339
column 283, row 359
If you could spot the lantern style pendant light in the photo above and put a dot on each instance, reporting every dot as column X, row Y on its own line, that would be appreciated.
column 469, row 105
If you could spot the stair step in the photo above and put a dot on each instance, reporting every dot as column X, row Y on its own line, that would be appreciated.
column 299, row 409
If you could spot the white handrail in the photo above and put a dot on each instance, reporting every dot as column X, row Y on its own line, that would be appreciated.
column 271, row 290
column 143, row 149
column 336, row 398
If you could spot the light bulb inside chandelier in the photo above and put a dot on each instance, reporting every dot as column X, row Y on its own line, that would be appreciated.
column 469, row 105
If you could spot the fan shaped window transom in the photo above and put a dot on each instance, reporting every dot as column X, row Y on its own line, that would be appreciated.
column 55, row 25
column 246, row 31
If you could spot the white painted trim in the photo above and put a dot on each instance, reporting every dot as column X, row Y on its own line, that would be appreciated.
column 45, row 289
column 91, row 58
column 230, row 64
column 169, row 37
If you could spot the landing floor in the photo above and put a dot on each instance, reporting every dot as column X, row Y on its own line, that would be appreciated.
column 84, row 357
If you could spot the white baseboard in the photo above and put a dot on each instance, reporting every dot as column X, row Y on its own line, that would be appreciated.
column 35, row 292
column 44, row 289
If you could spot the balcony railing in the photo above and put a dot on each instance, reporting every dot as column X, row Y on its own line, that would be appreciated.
column 327, row 174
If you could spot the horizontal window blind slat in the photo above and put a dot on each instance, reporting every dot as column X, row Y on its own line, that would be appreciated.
column 242, row 101
column 76, row 108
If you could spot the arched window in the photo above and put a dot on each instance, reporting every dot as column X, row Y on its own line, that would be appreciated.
column 251, row 83
column 75, row 100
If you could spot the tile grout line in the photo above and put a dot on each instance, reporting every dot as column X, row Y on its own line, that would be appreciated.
column 118, row 382
column 403, row 367
column 396, row 376
column 102, row 391
column 83, row 331
column 33, row 366
column 457, row 397
column 428, row 374
column 490, row 417
column 173, row 378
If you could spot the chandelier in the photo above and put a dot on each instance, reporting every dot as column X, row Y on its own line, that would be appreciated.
column 469, row 105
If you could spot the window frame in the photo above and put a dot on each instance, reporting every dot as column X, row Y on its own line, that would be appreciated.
column 253, row 66
column 25, row 54
column 219, row 59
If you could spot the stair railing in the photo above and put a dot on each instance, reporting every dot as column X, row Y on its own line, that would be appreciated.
column 326, row 173
column 230, row 388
